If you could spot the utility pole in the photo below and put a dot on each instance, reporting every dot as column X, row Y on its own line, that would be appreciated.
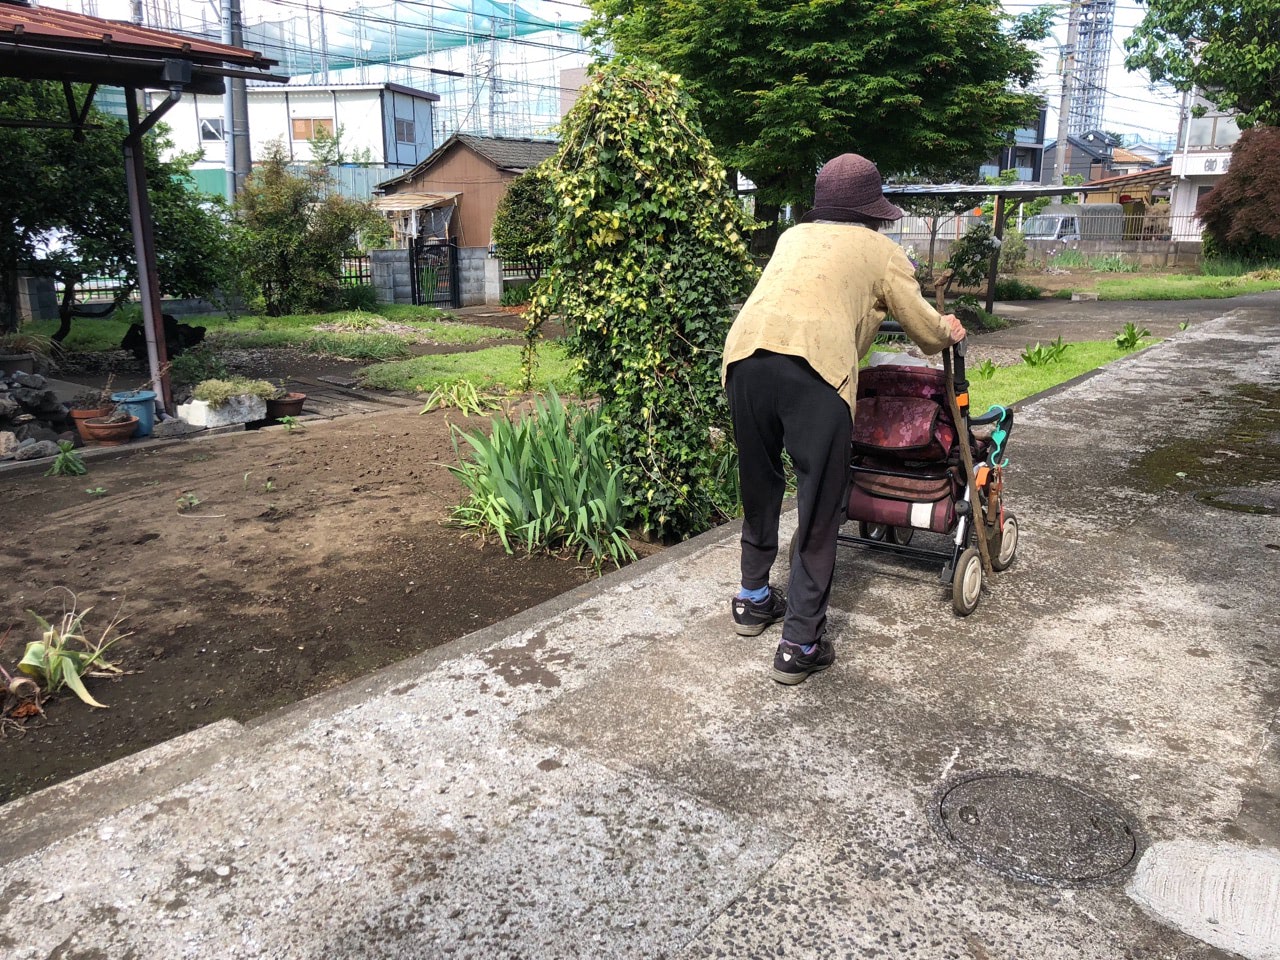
column 1064, row 105
column 235, row 107
column 324, row 47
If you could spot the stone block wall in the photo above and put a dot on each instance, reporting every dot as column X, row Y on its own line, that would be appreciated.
column 473, row 288
column 392, row 275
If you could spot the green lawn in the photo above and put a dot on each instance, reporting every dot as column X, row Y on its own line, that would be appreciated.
column 1181, row 286
column 1010, row 384
column 295, row 331
column 491, row 370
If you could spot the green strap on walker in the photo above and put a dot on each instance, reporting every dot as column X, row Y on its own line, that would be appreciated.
column 998, row 438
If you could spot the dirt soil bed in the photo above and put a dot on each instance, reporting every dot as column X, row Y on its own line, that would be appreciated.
column 312, row 558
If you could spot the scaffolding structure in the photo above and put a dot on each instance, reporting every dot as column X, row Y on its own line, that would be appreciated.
column 495, row 64
column 1095, row 22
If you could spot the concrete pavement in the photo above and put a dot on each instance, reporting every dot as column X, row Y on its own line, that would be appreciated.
column 614, row 775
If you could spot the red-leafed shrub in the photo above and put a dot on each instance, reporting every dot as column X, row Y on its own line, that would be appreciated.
column 1241, row 214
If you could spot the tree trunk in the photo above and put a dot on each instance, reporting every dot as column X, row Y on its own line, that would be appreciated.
column 10, row 301
column 65, row 311
column 766, row 238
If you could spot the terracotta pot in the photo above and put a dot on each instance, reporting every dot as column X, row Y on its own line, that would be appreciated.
column 290, row 405
column 102, row 434
column 80, row 416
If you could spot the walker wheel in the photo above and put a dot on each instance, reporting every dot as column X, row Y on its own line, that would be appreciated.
column 966, row 583
column 1008, row 544
column 872, row 531
column 900, row 535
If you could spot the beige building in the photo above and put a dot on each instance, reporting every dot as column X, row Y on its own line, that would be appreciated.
column 453, row 194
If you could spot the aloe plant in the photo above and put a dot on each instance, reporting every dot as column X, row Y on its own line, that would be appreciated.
column 52, row 661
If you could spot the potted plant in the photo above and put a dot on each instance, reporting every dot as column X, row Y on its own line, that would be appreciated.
column 111, row 430
column 216, row 403
column 285, row 403
column 25, row 352
column 91, row 404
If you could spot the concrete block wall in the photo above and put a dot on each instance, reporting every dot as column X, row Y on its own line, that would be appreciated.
column 392, row 275
column 472, row 276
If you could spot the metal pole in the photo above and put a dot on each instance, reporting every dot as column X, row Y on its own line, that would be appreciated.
column 1064, row 105
column 324, row 46
column 144, row 242
column 994, row 268
column 228, row 111
column 240, row 96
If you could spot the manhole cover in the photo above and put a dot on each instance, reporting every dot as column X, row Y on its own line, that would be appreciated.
column 1260, row 500
column 1035, row 828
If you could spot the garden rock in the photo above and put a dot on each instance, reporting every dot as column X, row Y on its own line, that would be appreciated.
column 173, row 428
column 32, row 381
column 35, row 451
column 35, row 431
column 8, row 442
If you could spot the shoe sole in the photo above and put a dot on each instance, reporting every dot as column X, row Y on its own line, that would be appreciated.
column 752, row 629
column 791, row 679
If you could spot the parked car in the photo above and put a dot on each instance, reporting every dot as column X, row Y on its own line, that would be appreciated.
column 1068, row 222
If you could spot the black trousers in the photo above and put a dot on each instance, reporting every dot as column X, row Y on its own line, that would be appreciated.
column 778, row 402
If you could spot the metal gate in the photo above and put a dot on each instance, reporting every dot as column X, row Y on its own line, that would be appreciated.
column 435, row 273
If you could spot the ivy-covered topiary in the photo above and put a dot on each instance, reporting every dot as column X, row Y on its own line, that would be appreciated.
column 648, row 257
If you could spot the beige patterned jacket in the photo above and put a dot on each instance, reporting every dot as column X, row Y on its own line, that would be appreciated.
column 822, row 297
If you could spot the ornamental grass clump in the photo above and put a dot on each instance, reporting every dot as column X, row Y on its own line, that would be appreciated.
column 647, row 256
column 546, row 482
column 217, row 393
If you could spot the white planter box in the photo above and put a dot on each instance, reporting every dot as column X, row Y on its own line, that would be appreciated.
column 242, row 409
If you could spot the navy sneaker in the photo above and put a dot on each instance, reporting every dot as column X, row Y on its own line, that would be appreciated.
column 792, row 665
column 750, row 618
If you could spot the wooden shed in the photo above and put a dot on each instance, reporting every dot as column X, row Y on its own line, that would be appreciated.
column 473, row 173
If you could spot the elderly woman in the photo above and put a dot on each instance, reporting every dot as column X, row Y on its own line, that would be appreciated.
column 791, row 372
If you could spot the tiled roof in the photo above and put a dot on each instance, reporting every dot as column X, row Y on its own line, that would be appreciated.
column 508, row 153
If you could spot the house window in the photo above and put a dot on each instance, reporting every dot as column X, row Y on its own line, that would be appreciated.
column 304, row 128
column 211, row 129
column 404, row 131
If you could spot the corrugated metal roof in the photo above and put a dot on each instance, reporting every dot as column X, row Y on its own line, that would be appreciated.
column 43, row 27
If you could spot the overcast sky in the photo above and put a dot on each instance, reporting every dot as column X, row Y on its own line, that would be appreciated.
column 1132, row 106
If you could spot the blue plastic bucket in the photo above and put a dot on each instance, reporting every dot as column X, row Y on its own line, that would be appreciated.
column 140, row 404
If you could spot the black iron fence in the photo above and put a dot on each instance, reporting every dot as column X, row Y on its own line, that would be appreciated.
column 356, row 271
column 521, row 269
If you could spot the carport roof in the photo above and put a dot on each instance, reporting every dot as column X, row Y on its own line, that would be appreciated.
column 37, row 43
column 1022, row 191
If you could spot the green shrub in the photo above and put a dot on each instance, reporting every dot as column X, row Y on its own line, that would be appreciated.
column 1011, row 288
column 970, row 258
column 517, row 294
column 1068, row 259
column 1013, row 250
column 360, row 297
column 1113, row 263
column 524, row 219
column 216, row 393
column 199, row 363
column 547, row 482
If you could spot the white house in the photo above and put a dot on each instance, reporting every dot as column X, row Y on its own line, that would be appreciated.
column 1203, row 155
column 388, row 123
